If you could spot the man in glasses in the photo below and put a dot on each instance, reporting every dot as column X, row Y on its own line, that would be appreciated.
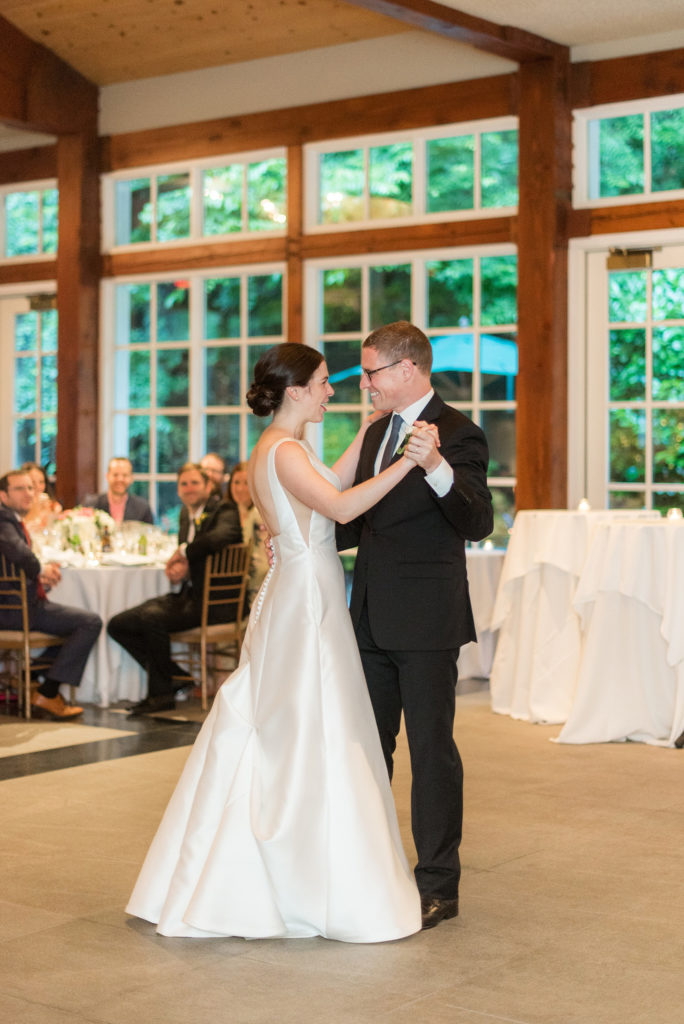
column 410, row 603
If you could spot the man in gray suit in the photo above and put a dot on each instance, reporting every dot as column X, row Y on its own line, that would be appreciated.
column 116, row 500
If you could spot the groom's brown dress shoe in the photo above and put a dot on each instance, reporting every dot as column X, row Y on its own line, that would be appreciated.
column 434, row 909
column 55, row 706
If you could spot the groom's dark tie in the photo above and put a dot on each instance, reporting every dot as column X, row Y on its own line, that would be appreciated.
column 391, row 441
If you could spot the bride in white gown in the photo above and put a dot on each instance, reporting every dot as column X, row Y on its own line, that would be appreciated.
column 282, row 823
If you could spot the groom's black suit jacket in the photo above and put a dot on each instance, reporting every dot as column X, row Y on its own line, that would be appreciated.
column 411, row 566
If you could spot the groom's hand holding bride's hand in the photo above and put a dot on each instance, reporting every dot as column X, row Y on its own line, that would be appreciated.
column 423, row 446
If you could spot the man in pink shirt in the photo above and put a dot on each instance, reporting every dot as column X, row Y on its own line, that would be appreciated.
column 116, row 500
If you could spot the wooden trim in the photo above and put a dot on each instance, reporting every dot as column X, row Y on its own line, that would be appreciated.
column 194, row 257
column 23, row 273
column 639, row 76
column 295, row 218
column 33, row 164
column 475, row 99
column 630, row 217
column 39, row 91
column 502, row 40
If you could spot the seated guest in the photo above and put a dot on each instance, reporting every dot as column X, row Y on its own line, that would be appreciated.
column 116, row 500
column 44, row 509
column 80, row 627
column 208, row 526
column 215, row 468
column 253, row 528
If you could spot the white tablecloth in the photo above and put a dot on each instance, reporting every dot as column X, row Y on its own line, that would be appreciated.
column 110, row 673
column 484, row 570
column 538, row 651
column 630, row 601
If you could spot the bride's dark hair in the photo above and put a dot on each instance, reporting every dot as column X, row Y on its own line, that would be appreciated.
column 283, row 366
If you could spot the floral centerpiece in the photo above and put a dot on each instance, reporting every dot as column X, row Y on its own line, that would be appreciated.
column 82, row 526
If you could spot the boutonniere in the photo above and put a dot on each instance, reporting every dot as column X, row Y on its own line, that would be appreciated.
column 200, row 519
column 402, row 447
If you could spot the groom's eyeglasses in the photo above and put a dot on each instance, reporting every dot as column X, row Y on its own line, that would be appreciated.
column 371, row 373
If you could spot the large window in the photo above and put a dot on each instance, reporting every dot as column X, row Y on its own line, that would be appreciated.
column 180, row 355
column 448, row 172
column 238, row 194
column 29, row 221
column 465, row 302
column 631, row 151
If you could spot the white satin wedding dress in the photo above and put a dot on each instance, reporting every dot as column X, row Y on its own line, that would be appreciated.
column 282, row 823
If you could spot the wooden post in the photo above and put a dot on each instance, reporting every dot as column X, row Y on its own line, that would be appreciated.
column 78, row 270
column 542, row 236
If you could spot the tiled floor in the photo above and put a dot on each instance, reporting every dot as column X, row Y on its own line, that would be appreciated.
column 572, row 895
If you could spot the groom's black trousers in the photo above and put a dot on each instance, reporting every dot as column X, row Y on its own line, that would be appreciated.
column 423, row 684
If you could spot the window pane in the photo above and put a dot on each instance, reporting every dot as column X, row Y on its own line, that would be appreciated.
column 499, row 426
column 254, row 354
column 173, row 378
column 391, row 180
column 627, row 364
column 222, row 307
column 341, row 300
column 173, row 206
column 663, row 501
column 668, row 446
column 450, row 174
column 48, row 330
column 172, row 443
column 449, row 293
column 390, row 294
column 668, row 294
column 339, row 430
column 25, row 382
column 344, row 359
column 22, row 223
column 503, row 501
column 498, row 289
column 26, row 332
column 499, row 170
column 133, row 211
column 266, row 198
column 25, row 441
column 222, row 376
column 265, row 305
column 452, row 367
column 668, row 364
column 255, row 428
column 222, row 199
column 132, row 314
column 667, row 149
column 48, row 444
column 621, row 155
column 132, row 438
column 498, row 367
column 132, row 384
column 48, row 384
column 342, row 179
column 168, row 505
column 626, row 499
column 222, row 435
column 627, row 297
column 50, row 204
column 173, row 311
column 627, row 432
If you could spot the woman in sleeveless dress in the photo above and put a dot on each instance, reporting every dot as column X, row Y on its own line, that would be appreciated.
column 282, row 823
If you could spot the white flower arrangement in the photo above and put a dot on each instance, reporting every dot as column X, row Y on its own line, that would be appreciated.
column 85, row 525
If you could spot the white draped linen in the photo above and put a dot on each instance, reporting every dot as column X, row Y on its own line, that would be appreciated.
column 484, row 567
column 534, row 675
column 110, row 674
column 630, row 602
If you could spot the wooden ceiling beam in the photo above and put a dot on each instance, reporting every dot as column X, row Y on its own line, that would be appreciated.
column 39, row 91
column 502, row 40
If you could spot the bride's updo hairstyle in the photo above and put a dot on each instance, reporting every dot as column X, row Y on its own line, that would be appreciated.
column 283, row 366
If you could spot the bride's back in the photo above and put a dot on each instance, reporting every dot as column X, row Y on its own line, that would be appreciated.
column 260, row 485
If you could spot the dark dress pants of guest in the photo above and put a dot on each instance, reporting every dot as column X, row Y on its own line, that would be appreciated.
column 423, row 683
column 81, row 628
column 144, row 632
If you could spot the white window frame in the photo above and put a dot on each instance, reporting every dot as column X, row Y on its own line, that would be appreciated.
column 195, row 169
column 43, row 185
column 418, row 138
column 580, row 135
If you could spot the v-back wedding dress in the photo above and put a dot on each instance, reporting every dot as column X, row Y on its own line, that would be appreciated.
column 283, row 823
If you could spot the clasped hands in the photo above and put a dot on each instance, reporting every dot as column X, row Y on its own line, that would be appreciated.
column 422, row 446
column 50, row 575
column 177, row 568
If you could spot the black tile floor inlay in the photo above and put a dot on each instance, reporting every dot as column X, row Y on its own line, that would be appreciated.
column 149, row 734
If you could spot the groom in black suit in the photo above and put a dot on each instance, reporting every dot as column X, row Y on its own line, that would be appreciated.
column 410, row 604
